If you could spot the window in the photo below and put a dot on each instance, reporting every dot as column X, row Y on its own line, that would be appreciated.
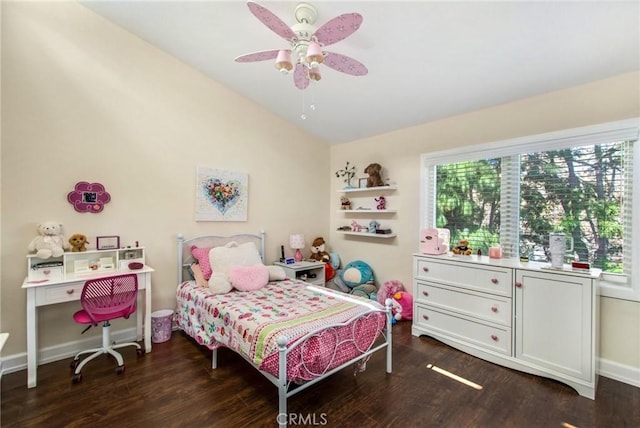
column 514, row 193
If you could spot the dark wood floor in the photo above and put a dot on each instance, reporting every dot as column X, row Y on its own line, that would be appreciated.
column 174, row 386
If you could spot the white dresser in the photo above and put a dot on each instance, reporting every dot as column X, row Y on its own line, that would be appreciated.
column 523, row 316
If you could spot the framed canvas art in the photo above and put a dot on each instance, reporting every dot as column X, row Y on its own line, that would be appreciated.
column 221, row 195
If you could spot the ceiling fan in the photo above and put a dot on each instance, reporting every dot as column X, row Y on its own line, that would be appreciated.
column 307, row 43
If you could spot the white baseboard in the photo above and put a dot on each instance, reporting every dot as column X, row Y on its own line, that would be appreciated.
column 620, row 372
column 17, row 362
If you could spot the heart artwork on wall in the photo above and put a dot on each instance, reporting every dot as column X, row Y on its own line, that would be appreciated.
column 221, row 195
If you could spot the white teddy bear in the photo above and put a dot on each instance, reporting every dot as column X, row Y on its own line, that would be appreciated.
column 50, row 242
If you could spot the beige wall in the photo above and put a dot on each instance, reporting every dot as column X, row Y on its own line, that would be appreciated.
column 84, row 100
column 399, row 152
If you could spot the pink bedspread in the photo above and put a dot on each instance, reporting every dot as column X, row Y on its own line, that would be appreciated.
column 250, row 322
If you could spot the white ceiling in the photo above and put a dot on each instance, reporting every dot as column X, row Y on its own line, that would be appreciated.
column 427, row 59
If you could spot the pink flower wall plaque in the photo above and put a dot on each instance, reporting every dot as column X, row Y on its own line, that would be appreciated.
column 88, row 197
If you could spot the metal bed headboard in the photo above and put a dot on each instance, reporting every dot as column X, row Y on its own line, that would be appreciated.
column 208, row 241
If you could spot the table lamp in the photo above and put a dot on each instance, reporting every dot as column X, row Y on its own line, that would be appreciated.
column 296, row 242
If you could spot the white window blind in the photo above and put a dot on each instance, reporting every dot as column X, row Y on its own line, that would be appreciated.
column 514, row 193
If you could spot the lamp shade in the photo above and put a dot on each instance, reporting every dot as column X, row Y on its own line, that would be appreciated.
column 283, row 61
column 314, row 55
column 296, row 241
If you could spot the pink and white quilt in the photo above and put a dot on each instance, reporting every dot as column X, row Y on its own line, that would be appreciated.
column 249, row 322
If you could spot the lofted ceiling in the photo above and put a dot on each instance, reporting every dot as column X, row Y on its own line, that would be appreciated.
column 427, row 60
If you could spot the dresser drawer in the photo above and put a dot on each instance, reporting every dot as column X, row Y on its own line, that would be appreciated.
column 463, row 330
column 58, row 293
column 487, row 307
column 472, row 276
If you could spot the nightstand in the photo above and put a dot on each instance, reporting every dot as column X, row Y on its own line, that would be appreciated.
column 309, row 271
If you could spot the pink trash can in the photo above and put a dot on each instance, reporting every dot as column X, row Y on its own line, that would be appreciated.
column 161, row 322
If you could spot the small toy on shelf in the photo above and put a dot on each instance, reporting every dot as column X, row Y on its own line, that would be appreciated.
column 382, row 203
column 78, row 242
column 345, row 203
column 355, row 227
column 373, row 226
column 462, row 248
column 374, row 179
column 50, row 241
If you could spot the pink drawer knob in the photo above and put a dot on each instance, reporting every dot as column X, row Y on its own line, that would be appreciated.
column 426, row 269
column 518, row 284
column 426, row 317
column 425, row 293
column 494, row 337
column 494, row 280
column 70, row 291
column 46, row 271
column 494, row 309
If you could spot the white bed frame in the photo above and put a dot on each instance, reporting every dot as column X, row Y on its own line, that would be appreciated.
column 285, row 388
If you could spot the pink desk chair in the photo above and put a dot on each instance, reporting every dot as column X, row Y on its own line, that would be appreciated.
column 105, row 299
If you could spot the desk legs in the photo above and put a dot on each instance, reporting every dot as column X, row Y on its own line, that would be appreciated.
column 147, row 312
column 32, row 339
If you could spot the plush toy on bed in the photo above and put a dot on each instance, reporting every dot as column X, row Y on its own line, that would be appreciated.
column 50, row 241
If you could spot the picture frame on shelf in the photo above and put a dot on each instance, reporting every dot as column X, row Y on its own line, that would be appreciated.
column 107, row 242
column 362, row 183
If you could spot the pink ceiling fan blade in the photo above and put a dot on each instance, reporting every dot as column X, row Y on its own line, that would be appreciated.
column 274, row 23
column 345, row 64
column 338, row 28
column 300, row 77
column 257, row 56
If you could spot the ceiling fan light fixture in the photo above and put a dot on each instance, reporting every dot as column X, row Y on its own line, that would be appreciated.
column 283, row 61
column 314, row 54
column 314, row 74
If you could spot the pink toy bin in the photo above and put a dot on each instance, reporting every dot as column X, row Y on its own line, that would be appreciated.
column 161, row 322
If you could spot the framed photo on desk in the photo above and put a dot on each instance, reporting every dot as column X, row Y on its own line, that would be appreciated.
column 107, row 242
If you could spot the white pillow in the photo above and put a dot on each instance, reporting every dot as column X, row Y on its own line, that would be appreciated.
column 222, row 259
column 276, row 273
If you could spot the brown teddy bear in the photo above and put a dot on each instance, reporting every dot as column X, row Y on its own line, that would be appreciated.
column 318, row 252
column 374, row 179
column 78, row 242
column 462, row 248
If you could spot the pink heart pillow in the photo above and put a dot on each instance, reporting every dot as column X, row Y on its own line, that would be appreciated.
column 249, row 278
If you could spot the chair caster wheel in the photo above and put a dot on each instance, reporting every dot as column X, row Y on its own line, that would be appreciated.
column 74, row 364
column 139, row 352
column 77, row 378
column 120, row 369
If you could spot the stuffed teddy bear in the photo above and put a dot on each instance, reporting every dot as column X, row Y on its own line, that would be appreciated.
column 374, row 179
column 78, row 242
column 345, row 203
column 403, row 303
column 462, row 248
column 50, row 241
column 318, row 252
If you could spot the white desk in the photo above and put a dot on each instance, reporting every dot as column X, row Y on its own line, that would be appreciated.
column 68, row 290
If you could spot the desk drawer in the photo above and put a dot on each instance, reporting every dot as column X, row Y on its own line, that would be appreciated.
column 484, row 306
column 497, row 339
column 473, row 276
column 58, row 293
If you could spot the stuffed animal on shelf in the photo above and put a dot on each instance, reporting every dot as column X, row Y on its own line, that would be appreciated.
column 373, row 226
column 403, row 303
column 50, row 241
column 355, row 227
column 462, row 248
column 318, row 252
column 382, row 203
column 374, row 179
column 345, row 203
column 78, row 242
